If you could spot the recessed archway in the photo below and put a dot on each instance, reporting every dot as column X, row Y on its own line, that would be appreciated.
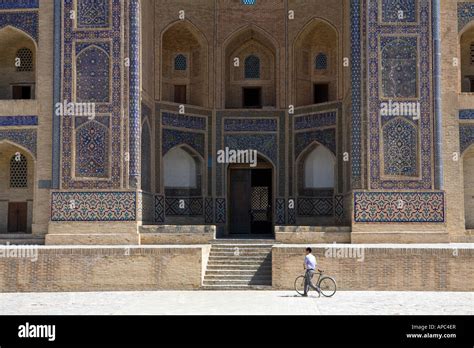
column 184, row 66
column 17, row 177
column 468, row 178
column 466, row 42
column 250, row 59
column 17, row 64
column 315, row 57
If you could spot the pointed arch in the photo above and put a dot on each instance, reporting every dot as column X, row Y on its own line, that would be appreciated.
column 184, row 65
column 316, row 53
column 250, row 41
column 93, row 75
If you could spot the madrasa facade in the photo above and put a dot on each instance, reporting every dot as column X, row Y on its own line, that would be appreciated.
column 134, row 121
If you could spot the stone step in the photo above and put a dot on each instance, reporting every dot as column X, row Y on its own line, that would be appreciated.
column 235, row 282
column 238, row 253
column 236, row 287
column 259, row 258
column 21, row 239
column 226, row 271
column 237, row 267
column 232, row 277
column 238, row 262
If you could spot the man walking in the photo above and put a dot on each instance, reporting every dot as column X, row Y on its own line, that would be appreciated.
column 310, row 266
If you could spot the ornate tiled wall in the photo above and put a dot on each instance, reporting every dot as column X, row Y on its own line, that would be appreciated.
column 92, row 60
column 465, row 14
column 26, row 138
column 93, row 206
column 400, row 63
column 399, row 207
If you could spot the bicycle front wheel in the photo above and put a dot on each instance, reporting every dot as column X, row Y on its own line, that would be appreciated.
column 299, row 285
column 328, row 287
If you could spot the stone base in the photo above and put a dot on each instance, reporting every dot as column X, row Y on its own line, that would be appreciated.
column 402, row 237
column 312, row 234
column 93, row 268
column 92, row 233
column 369, row 267
column 168, row 234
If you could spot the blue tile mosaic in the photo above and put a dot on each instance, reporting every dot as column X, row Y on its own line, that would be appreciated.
column 250, row 124
column 465, row 14
column 6, row 121
column 183, row 121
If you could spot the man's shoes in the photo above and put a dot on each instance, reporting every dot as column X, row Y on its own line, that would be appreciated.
column 305, row 295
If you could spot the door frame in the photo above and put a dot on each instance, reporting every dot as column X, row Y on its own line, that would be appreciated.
column 262, row 163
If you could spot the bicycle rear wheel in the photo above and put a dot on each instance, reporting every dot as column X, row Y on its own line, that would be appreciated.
column 299, row 285
column 328, row 287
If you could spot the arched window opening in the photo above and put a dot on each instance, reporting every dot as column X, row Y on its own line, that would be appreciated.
column 319, row 169
column 18, row 171
column 321, row 61
column 180, row 62
column 180, row 169
column 252, row 67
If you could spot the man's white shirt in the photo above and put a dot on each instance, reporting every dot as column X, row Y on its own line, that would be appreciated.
column 310, row 261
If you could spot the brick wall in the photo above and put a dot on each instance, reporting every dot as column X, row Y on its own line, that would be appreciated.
column 392, row 268
column 104, row 269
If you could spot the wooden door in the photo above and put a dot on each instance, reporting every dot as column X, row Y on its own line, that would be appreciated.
column 240, row 207
column 17, row 217
column 180, row 94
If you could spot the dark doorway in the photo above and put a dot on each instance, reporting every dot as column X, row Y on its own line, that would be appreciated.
column 251, row 202
column 21, row 92
column 252, row 97
column 180, row 94
column 17, row 217
column 321, row 93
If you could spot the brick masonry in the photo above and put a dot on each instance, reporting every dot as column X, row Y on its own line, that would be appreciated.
column 103, row 269
column 401, row 268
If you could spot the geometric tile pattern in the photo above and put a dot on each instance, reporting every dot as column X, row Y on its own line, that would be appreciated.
column 266, row 144
column 93, row 206
column 6, row 121
column 183, row 121
column 400, row 143
column 339, row 208
column 315, row 206
column 192, row 206
column 92, row 150
column 466, row 136
column 465, row 14
column 399, row 67
column 280, row 211
column 25, row 21
column 467, row 114
column 248, row 2
column 399, row 207
column 93, row 13
column 23, row 137
column 16, row 4
column 220, row 211
column 326, row 137
column 93, row 75
column 356, row 93
column 208, row 210
column 399, row 11
column 134, row 93
column 172, row 138
column 159, row 209
column 400, row 44
column 104, row 44
column 250, row 124
column 291, row 212
column 325, row 119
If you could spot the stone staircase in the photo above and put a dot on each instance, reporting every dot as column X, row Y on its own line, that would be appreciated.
column 21, row 239
column 239, row 267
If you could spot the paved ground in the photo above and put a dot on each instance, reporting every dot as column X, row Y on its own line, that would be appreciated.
column 236, row 302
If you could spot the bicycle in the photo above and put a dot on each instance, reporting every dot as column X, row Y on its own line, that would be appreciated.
column 326, row 285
